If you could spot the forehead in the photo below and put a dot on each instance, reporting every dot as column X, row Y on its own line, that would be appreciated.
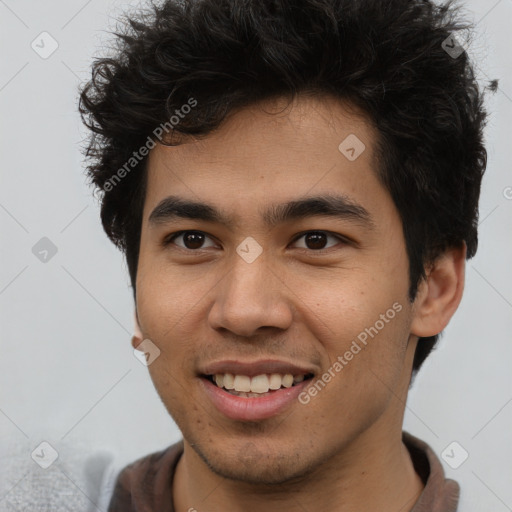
column 269, row 153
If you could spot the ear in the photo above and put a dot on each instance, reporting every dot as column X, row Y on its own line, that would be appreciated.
column 439, row 295
column 137, row 332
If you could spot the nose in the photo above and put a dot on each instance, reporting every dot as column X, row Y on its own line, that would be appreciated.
column 251, row 296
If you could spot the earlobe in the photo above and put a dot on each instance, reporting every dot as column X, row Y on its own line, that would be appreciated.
column 440, row 294
column 137, row 332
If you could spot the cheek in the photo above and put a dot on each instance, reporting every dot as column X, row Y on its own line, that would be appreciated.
column 172, row 390
column 349, row 305
column 167, row 299
column 361, row 325
column 366, row 356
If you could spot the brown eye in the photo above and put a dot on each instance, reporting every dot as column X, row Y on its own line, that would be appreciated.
column 317, row 240
column 192, row 240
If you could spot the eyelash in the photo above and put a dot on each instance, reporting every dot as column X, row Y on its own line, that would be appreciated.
column 169, row 239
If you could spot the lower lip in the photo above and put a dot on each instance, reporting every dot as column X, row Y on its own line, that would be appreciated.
column 252, row 409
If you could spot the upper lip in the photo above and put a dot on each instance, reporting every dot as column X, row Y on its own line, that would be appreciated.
column 251, row 369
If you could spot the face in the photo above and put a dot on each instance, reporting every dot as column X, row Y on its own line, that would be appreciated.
column 256, row 283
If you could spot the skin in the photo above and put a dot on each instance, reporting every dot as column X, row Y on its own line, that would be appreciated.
column 343, row 450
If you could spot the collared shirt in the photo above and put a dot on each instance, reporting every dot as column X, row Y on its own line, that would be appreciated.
column 146, row 484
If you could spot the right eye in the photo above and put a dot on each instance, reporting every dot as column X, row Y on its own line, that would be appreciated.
column 192, row 240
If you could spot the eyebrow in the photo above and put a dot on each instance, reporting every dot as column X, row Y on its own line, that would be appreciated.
column 341, row 207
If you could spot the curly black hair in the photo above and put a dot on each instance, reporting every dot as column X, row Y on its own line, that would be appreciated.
column 395, row 60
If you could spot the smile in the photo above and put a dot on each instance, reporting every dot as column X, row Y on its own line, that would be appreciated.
column 253, row 387
column 242, row 398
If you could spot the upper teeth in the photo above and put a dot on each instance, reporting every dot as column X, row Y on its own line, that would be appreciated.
column 258, row 384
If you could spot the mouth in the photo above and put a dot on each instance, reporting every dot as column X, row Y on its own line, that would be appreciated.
column 258, row 386
column 263, row 396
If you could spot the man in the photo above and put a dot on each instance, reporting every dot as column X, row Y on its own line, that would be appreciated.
column 295, row 186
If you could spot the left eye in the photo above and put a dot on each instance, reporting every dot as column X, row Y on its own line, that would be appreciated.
column 316, row 239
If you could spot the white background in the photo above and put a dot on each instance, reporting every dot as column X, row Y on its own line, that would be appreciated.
column 67, row 372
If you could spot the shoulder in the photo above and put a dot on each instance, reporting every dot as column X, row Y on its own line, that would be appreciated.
column 439, row 493
column 146, row 483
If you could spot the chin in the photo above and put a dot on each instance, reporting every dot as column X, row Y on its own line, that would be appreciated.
column 256, row 466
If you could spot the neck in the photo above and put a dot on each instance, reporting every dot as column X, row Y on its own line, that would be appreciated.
column 375, row 472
